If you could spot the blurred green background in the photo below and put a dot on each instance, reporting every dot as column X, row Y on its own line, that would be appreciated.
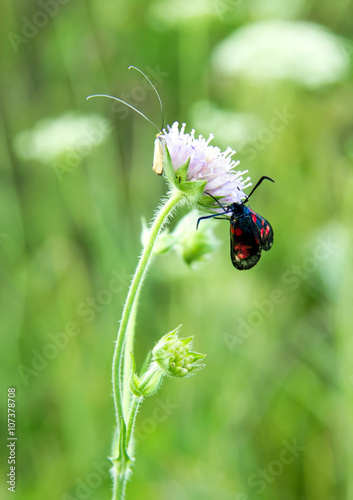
column 270, row 416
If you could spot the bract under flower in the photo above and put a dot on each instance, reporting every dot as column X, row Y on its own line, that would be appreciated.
column 207, row 163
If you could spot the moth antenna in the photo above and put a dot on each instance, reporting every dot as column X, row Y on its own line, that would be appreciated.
column 264, row 177
column 155, row 90
column 126, row 104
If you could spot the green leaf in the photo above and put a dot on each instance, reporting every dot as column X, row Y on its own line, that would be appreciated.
column 192, row 190
column 134, row 384
column 197, row 355
column 182, row 171
column 122, row 462
column 168, row 170
column 206, row 204
column 187, row 340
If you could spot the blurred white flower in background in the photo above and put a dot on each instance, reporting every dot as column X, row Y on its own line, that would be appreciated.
column 179, row 11
column 303, row 52
column 276, row 8
column 72, row 135
column 176, row 12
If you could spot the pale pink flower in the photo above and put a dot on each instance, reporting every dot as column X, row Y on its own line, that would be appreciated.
column 207, row 163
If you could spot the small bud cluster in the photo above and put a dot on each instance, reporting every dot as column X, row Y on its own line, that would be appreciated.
column 174, row 355
column 171, row 356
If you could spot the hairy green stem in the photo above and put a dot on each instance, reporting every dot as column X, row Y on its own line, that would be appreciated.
column 126, row 364
column 135, row 403
column 119, row 378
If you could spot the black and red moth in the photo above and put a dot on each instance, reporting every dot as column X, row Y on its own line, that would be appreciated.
column 249, row 232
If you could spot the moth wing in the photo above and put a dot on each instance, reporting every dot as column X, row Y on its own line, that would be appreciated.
column 265, row 230
column 245, row 245
column 158, row 156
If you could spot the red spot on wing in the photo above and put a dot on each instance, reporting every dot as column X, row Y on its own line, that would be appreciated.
column 254, row 218
column 236, row 230
column 242, row 251
column 267, row 230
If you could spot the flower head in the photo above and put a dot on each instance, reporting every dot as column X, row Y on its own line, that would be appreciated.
column 175, row 357
column 206, row 163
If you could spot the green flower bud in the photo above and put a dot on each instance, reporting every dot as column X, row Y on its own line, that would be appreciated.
column 195, row 246
column 192, row 245
column 174, row 355
column 149, row 383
